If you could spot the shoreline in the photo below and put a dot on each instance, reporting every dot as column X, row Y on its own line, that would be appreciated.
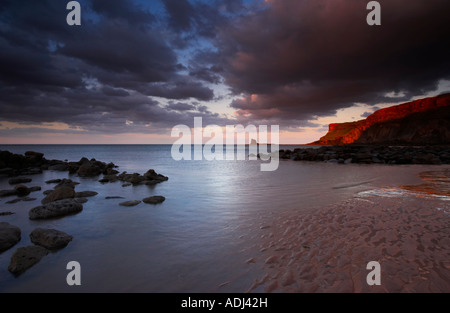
column 371, row 154
column 328, row 249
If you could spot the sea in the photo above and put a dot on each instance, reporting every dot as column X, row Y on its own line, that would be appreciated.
column 202, row 237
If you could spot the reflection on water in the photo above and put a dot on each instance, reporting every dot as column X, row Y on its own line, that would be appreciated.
column 436, row 186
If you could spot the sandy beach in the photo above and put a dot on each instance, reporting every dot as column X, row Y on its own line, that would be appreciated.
column 327, row 249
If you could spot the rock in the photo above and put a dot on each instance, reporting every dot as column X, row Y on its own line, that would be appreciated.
column 9, row 236
column 8, row 193
column 56, row 209
column 124, row 185
column 35, row 188
column 90, row 168
column 114, row 197
column 135, row 179
column 6, row 213
column 85, row 194
column 59, row 193
column 21, row 199
column 58, row 167
column 53, row 181
column 34, row 155
column 14, row 201
column 51, row 239
column 67, row 182
column 109, row 179
column 25, row 257
column 19, row 180
column 22, row 190
column 154, row 200
column 111, row 171
column 149, row 178
column 152, row 175
column 130, row 203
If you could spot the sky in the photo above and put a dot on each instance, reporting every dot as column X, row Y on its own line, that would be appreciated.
column 135, row 69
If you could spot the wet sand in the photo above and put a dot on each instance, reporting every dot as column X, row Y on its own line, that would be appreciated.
column 327, row 249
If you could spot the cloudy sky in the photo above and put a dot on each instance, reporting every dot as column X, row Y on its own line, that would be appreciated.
column 134, row 69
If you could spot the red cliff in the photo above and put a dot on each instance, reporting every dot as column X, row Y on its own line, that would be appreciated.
column 424, row 121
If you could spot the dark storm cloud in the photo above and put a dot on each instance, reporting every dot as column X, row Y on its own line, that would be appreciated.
column 178, row 90
column 308, row 58
column 118, row 48
column 121, row 70
column 125, row 10
column 181, row 14
column 180, row 106
column 96, row 76
column 201, row 18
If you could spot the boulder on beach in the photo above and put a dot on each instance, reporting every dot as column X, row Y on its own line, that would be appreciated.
column 34, row 155
column 109, row 178
column 6, row 213
column 22, row 190
column 15, row 164
column 53, row 181
column 25, row 257
column 35, row 188
column 59, row 193
column 91, row 168
column 19, row 180
column 20, row 199
column 56, row 209
column 58, row 167
column 152, row 175
column 15, row 192
column 7, row 193
column 154, row 200
column 51, row 239
column 9, row 235
column 149, row 178
column 130, row 203
column 113, row 197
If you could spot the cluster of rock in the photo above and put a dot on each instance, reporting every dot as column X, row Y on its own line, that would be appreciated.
column 19, row 189
column 31, row 162
column 371, row 154
column 149, row 178
column 15, row 164
column 91, row 168
column 61, row 201
column 44, row 240
column 149, row 200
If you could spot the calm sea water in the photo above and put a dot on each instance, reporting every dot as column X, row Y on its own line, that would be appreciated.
column 198, row 240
